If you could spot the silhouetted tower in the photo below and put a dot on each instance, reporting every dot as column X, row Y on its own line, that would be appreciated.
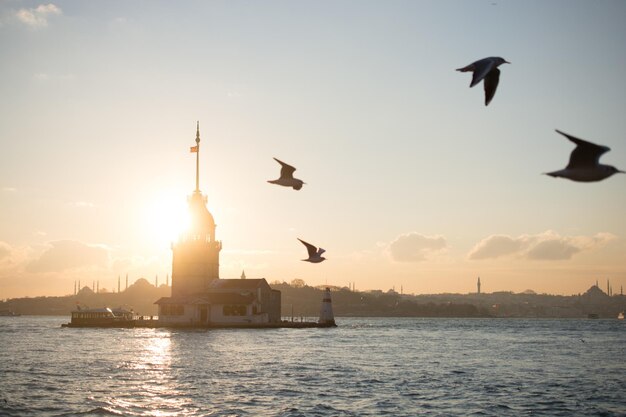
column 195, row 258
column 243, row 274
column 79, row 285
column 93, row 286
column 167, row 280
column 608, row 289
column 478, row 286
column 126, row 283
column 156, row 281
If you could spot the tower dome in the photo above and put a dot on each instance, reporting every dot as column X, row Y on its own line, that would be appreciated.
column 202, row 224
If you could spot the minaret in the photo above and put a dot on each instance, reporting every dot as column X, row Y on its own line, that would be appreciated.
column 195, row 258
column 126, row 282
column 243, row 274
column 167, row 280
column 156, row 281
column 478, row 286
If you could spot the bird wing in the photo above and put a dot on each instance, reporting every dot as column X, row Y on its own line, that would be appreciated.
column 286, row 170
column 312, row 250
column 491, row 84
column 586, row 154
column 320, row 251
column 481, row 69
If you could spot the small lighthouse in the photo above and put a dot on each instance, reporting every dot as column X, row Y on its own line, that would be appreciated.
column 326, row 311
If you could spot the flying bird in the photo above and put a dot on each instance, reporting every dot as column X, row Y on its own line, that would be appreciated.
column 584, row 165
column 286, row 176
column 315, row 254
column 487, row 69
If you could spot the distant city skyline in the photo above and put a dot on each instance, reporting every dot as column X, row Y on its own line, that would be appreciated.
column 410, row 180
column 608, row 289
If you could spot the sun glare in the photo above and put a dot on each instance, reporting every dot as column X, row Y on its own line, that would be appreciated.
column 166, row 218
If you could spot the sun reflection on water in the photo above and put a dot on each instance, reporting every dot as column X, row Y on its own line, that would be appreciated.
column 153, row 387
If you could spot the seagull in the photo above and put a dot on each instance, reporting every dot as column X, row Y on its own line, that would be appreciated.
column 487, row 69
column 584, row 165
column 315, row 254
column 286, row 176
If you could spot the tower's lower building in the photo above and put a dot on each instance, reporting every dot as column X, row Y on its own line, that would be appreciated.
column 199, row 296
column 227, row 301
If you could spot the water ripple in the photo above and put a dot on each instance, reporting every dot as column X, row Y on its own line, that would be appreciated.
column 366, row 367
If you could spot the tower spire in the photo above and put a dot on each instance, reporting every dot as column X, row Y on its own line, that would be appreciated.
column 198, row 156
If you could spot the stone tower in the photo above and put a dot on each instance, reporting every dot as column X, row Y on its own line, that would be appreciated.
column 196, row 255
column 478, row 286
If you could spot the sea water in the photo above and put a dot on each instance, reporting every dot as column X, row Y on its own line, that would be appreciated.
column 364, row 367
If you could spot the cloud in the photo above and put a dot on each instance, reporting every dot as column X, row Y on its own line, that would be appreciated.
column 5, row 251
column 12, row 258
column 45, row 77
column 413, row 247
column 495, row 246
column 553, row 249
column 37, row 17
column 69, row 254
column 544, row 246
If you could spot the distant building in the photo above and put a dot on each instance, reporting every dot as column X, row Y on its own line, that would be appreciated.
column 199, row 296
column 478, row 286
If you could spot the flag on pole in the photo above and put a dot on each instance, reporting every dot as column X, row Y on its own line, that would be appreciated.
column 193, row 149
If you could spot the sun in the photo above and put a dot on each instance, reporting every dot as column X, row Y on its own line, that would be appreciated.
column 166, row 217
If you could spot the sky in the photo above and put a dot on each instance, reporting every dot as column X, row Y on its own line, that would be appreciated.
column 411, row 182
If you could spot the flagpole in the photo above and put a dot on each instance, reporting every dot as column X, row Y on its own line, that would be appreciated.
column 198, row 157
